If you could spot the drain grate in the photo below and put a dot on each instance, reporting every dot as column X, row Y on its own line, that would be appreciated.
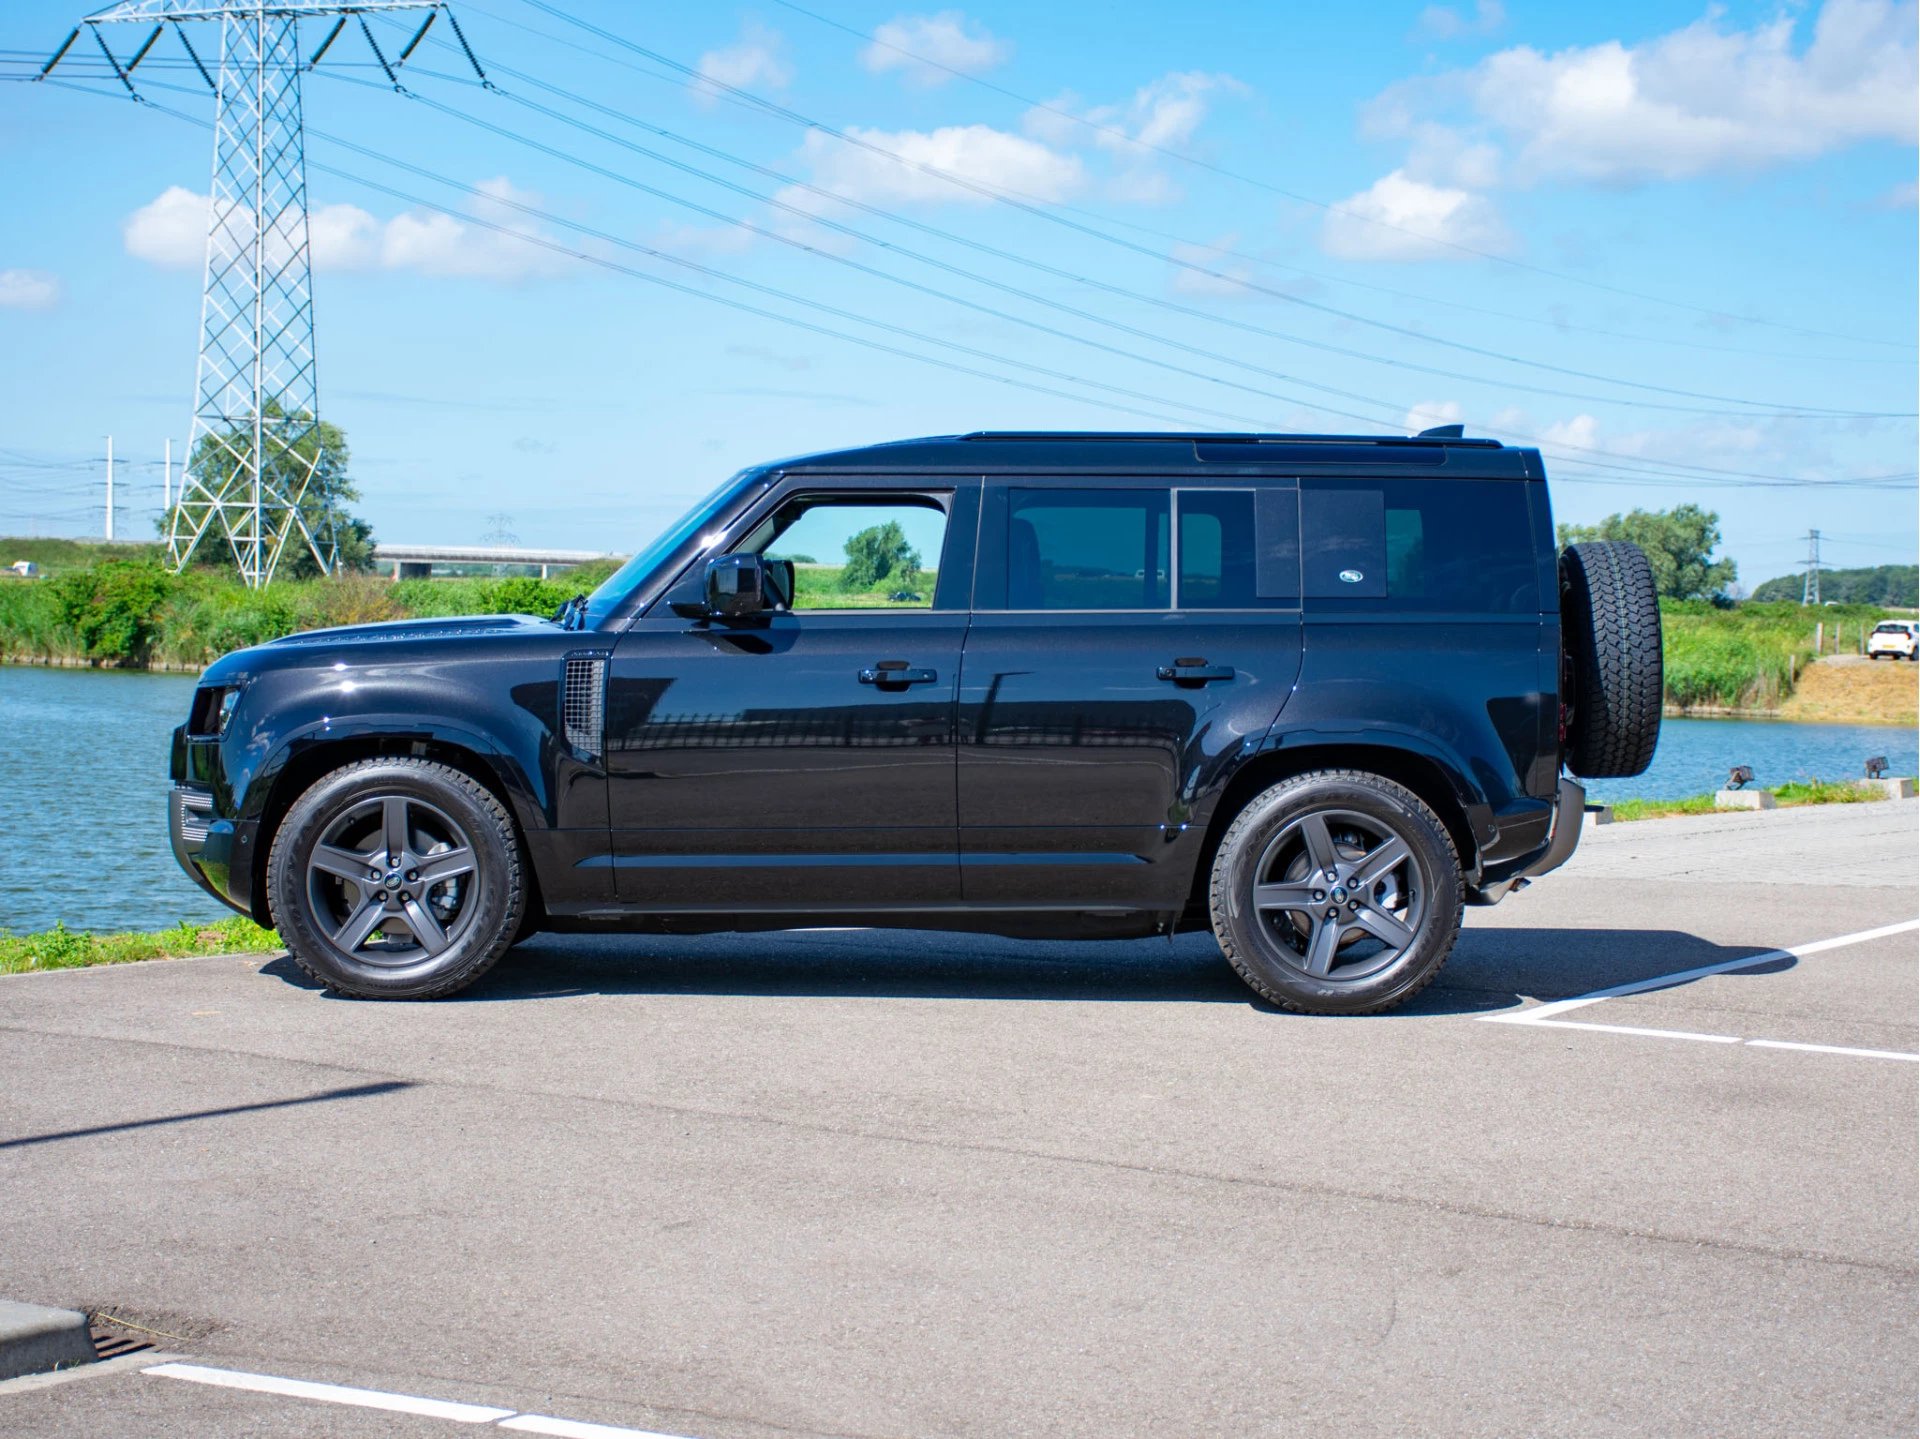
column 110, row 1341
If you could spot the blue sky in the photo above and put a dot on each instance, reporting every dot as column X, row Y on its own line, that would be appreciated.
column 1436, row 211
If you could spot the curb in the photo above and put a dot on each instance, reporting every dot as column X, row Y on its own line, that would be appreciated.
column 34, row 1339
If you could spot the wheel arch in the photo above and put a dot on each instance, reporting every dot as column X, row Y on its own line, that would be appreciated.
column 305, row 764
column 1440, row 787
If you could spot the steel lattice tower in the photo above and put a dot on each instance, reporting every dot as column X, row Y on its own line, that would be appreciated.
column 257, row 473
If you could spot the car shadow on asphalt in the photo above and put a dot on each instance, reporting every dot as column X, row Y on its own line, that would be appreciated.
column 1491, row 969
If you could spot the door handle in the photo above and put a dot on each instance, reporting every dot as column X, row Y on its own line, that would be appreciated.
column 889, row 673
column 1193, row 672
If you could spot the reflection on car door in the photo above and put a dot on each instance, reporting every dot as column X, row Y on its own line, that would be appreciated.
column 782, row 766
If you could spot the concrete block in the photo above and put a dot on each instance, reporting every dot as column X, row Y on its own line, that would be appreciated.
column 1892, row 788
column 1599, row 814
column 1744, row 799
column 33, row 1339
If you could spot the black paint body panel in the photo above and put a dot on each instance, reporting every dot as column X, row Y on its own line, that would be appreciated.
column 1048, row 778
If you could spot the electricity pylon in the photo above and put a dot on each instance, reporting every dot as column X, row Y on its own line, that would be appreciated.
column 257, row 472
column 1810, row 586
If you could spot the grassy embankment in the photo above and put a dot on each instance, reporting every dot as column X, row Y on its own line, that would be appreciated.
column 63, row 948
column 133, row 612
column 1749, row 658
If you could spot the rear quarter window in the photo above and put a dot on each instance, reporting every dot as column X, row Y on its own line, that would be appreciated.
column 1461, row 546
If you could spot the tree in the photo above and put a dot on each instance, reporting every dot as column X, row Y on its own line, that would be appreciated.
column 1679, row 544
column 1893, row 586
column 877, row 554
column 323, row 449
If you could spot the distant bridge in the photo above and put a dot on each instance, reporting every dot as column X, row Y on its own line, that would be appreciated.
column 416, row 562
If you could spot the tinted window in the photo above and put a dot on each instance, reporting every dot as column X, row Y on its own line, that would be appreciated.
column 1087, row 550
column 1239, row 549
column 1461, row 545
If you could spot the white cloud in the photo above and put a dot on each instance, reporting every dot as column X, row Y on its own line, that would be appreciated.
column 1428, row 413
column 904, row 42
column 1443, row 22
column 978, row 153
column 29, row 289
column 1163, row 115
column 1903, row 196
column 171, row 231
column 757, row 58
column 1401, row 218
column 1698, row 100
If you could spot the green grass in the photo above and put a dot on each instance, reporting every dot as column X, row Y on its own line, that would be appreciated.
column 130, row 610
column 1789, row 796
column 1748, row 657
column 56, row 556
column 63, row 948
column 821, row 587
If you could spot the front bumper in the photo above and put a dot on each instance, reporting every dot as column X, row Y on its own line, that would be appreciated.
column 216, row 853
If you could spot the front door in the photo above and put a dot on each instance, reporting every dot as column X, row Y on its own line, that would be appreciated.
column 805, row 762
column 1129, row 637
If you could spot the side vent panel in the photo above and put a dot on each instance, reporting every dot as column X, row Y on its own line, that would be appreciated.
column 583, row 704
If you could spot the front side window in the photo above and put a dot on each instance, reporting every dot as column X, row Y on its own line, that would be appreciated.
column 856, row 551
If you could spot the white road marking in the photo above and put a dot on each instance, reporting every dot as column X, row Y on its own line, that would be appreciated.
column 575, row 1429
column 333, row 1393
column 397, row 1403
column 1543, row 1016
column 1834, row 1049
column 1542, row 1012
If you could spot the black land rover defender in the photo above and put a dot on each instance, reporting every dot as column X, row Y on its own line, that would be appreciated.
column 1313, row 693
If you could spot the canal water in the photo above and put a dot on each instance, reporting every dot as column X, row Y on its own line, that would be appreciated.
column 83, row 786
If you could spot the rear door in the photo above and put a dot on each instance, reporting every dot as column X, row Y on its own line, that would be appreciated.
column 1129, row 635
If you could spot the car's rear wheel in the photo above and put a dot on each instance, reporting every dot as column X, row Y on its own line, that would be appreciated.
column 396, row 879
column 1337, row 892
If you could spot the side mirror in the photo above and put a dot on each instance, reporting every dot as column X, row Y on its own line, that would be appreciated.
column 736, row 587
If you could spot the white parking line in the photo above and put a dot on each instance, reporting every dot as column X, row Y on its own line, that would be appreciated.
column 400, row 1403
column 575, row 1429
column 333, row 1393
column 1545, row 1015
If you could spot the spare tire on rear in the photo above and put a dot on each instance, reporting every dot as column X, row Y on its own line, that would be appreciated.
column 1610, row 643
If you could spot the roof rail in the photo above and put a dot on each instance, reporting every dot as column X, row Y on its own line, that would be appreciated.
column 1439, row 435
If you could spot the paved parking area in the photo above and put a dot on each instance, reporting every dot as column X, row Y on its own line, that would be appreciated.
column 888, row 1185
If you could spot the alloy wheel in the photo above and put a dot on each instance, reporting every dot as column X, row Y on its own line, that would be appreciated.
column 393, row 880
column 1340, row 895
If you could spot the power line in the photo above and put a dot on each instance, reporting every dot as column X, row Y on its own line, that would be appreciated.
column 770, row 291
column 1327, row 206
column 814, row 218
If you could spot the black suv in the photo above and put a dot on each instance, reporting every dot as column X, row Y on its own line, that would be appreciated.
column 1315, row 693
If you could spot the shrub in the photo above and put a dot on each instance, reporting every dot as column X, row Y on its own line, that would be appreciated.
column 114, row 607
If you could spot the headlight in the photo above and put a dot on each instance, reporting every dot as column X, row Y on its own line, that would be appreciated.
column 212, row 711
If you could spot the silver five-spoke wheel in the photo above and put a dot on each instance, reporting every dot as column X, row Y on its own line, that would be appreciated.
column 1340, row 891
column 394, row 877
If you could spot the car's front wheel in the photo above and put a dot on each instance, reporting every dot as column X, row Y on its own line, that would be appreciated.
column 1337, row 892
column 396, row 879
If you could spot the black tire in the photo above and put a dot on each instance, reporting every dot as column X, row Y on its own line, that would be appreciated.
column 446, row 824
column 1272, row 946
column 1610, row 637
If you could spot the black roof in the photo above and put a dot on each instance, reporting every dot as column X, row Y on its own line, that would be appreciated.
column 1443, row 452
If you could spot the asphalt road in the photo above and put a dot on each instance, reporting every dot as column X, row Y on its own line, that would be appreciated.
column 921, row 1185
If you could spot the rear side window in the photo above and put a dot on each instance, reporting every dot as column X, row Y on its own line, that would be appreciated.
column 1441, row 545
column 1088, row 550
column 1150, row 548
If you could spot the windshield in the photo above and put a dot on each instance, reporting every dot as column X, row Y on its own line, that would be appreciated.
column 620, row 583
